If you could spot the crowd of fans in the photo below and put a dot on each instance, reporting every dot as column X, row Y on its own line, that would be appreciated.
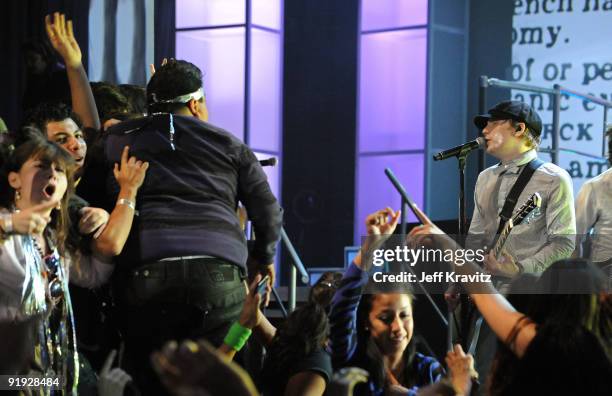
column 67, row 213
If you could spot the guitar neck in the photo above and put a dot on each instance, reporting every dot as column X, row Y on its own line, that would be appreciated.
column 501, row 241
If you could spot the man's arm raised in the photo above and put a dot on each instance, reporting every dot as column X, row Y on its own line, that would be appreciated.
column 61, row 36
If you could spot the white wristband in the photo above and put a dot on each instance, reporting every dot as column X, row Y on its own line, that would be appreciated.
column 129, row 203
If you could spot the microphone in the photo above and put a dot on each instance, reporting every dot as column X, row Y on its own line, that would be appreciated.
column 268, row 162
column 465, row 148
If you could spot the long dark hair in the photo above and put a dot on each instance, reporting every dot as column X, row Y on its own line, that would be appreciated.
column 323, row 290
column 303, row 332
column 572, row 290
column 39, row 148
column 568, row 303
column 368, row 355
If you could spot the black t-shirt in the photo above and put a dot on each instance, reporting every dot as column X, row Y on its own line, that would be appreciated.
column 275, row 379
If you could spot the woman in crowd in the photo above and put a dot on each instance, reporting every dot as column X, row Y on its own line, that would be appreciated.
column 37, row 259
column 296, row 362
column 383, row 325
column 573, row 324
column 562, row 343
column 324, row 289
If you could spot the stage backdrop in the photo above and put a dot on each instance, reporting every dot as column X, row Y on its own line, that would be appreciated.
column 121, row 34
column 566, row 42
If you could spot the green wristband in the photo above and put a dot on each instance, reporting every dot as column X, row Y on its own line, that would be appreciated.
column 237, row 336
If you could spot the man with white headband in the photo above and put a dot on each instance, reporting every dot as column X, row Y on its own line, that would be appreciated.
column 182, row 271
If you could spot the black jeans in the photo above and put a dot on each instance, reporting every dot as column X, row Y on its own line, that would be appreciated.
column 174, row 300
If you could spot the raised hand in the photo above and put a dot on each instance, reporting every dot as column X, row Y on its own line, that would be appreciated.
column 61, row 36
column 382, row 222
column 254, row 268
column 379, row 226
column 250, row 316
column 33, row 220
column 131, row 173
column 461, row 367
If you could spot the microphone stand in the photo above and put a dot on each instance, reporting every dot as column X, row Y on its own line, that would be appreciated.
column 462, row 211
column 462, row 231
column 403, row 225
column 463, row 225
column 405, row 202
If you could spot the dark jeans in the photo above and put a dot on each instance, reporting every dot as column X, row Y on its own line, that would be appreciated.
column 174, row 300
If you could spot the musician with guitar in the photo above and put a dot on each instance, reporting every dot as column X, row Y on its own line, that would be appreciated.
column 546, row 234
column 512, row 133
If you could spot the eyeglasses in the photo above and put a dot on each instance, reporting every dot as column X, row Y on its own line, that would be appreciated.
column 55, row 289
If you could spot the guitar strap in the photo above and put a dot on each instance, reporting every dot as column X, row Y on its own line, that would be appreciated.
column 515, row 192
column 504, row 216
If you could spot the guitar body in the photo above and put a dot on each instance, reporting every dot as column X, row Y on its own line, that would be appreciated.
column 468, row 309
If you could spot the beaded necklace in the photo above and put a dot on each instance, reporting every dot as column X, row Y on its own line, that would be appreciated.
column 56, row 334
column 57, row 342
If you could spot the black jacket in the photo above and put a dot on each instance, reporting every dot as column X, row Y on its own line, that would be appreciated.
column 187, row 204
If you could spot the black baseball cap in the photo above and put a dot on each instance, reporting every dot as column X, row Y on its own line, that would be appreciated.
column 512, row 110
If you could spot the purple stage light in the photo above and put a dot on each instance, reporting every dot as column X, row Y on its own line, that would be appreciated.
column 267, row 13
column 199, row 13
column 389, row 14
column 392, row 104
column 265, row 91
column 219, row 53
column 392, row 91
column 374, row 191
